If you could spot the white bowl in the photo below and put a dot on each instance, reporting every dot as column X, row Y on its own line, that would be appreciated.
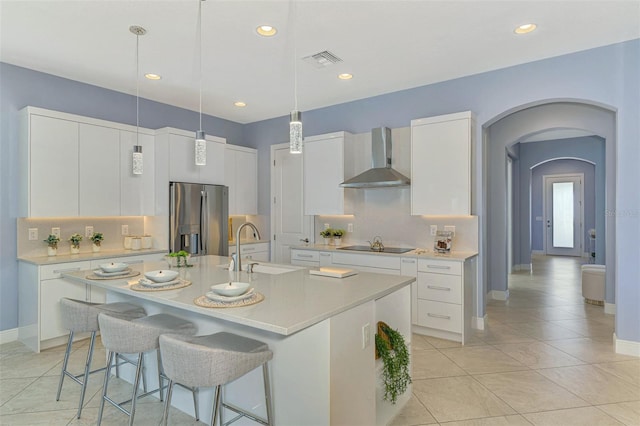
column 161, row 276
column 113, row 267
column 232, row 288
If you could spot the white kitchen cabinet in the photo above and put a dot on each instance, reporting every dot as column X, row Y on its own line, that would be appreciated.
column 182, row 165
column 252, row 251
column 99, row 170
column 137, row 193
column 367, row 262
column 241, row 176
column 48, row 165
column 441, row 164
column 327, row 162
column 409, row 268
column 305, row 258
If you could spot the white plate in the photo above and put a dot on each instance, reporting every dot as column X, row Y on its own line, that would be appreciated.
column 218, row 298
column 149, row 283
column 230, row 289
column 113, row 267
column 101, row 273
column 162, row 275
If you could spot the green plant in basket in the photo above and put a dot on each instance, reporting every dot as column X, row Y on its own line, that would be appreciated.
column 75, row 239
column 52, row 241
column 181, row 257
column 326, row 233
column 97, row 238
column 338, row 233
column 395, row 359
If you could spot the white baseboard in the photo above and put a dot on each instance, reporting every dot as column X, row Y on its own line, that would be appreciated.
column 478, row 322
column 627, row 347
column 537, row 251
column 499, row 294
column 609, row 308
column 7, row 336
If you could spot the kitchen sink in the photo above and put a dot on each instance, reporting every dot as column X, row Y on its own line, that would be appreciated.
column 396, row 250
column 265, row 268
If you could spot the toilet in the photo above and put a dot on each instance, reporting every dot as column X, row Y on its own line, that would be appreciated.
column 593, row 284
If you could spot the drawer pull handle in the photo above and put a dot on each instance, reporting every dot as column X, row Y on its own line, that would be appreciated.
column 438, row 267
column 408, row 261
column 62, row 271
column 325, row 254
column 249, row 248
column 439, row 316
column 435, row 287
column 305, row 255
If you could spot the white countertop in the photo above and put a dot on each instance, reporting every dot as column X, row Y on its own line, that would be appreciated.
column 416, row 253
column 293, row 300
column 102, row 254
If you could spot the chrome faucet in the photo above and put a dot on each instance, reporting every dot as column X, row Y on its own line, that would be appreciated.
column 238, row 263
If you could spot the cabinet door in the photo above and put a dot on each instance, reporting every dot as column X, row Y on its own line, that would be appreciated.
column 441, row 168
column 182, row 164
column 137, row 194
column 53, row 167
column 230, row 155
column 50, row 293
column 246, row 182
column 325, row 259
column 409, row 267
column 99, row 170
column 213, row 172
column 323, row 174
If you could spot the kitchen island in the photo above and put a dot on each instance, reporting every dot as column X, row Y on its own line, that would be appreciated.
column 321, row 331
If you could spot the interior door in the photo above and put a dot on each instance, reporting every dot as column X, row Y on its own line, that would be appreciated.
column 563, row 214
column 289, row 225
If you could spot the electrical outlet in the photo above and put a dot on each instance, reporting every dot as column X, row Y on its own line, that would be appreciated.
column 366, row 335
column 88, row 231
column 451, row 228
column 33, row 234
column 327, row 226
column 433, row 229
column 349, row 227
column 125, row 229
column 56, row 232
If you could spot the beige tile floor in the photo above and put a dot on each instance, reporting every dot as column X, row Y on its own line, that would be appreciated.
column 545, row 358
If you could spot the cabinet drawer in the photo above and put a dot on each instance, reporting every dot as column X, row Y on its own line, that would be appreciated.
column 440, row 266
column 440, row 287
column 305, row 255
column 48, row 272
column 440, row 315
column 368, row 260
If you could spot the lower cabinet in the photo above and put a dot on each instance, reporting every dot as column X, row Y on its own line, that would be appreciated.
column 305, row 258
column 252, row 251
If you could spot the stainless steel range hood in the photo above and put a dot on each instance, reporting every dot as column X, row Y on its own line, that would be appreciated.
column 381, row 175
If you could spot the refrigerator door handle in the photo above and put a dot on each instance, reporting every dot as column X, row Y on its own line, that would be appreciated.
column 204, row 222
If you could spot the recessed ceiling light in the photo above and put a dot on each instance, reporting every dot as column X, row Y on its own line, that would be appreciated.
column 266, row 30
column 345, row 76
column 151, row 76
column 240, row 104
column 525, row 28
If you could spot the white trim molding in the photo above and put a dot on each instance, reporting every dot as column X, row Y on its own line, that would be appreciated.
column 609, row 308
column 626, row 347
column 541, row 252
column 478, row 322
column 499, row 294
column 7, row 336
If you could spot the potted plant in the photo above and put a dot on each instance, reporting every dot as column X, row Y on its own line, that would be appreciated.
column 327, row 234
column 52, row 244
column 178, row 259
column 391, row 347
column 75, row 239
column 337, row 236
column 96, row 239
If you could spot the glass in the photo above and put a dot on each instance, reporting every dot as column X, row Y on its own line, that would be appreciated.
column 563, row 214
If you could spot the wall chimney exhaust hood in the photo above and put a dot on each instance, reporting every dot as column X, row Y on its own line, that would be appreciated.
column 381, row 175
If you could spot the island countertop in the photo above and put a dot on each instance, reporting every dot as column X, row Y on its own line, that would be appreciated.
column 293, row 300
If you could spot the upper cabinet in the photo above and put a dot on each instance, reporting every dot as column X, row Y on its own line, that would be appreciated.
column 137, row 194
column 441, row 164
column 327, row 162
column 241, row 176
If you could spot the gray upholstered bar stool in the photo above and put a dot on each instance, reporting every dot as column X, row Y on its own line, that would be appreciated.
column 213, row 361
column 79, row 316
column 138, row 336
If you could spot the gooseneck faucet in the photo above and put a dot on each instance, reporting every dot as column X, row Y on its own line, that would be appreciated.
column 237, row 266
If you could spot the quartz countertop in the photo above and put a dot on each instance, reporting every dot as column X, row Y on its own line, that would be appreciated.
column 415, row 253
column 293, row 300
column 102, row 254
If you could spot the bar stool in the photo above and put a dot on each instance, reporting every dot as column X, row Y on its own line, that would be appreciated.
column 213, row 361
column 79, row 316
column 137, row 337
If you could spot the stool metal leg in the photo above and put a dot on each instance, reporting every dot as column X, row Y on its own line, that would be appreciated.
column 216, row 404
column 136, row 384
column 160, row 375
column 267, row 393
column 64, row 364
column 87, row 370
column 194, row 392
column 104, row 386
column 167, row 403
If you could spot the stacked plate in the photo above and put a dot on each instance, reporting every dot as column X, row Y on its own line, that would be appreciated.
column 112, row 269
column 232, row 291
column 160, row 278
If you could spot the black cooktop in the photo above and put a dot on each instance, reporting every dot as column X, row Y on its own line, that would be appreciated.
column 367, row 248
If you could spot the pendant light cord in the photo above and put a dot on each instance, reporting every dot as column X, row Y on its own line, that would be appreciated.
column 137, row 89
column 200, row 56
column 295, row 56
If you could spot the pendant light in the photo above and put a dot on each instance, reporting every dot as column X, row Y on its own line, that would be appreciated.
column 136, row 159
column 201, row 143
column 295, row 122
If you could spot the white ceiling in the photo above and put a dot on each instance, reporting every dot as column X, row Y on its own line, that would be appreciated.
column 387, row 45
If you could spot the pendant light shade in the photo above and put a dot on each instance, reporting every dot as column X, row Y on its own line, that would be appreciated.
column 295, row 133
column 201, row 142
column 137, row 161
column 201, row 149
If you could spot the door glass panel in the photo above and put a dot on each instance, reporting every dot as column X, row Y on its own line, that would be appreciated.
column 563, row 214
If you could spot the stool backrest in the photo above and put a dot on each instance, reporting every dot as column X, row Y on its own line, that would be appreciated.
column 78, row 315
column 127, row 337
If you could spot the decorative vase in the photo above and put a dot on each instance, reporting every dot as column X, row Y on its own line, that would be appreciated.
column 75, row 249
column 327, row 241
column 95, row 247
column 52, row 251
column 337, row 241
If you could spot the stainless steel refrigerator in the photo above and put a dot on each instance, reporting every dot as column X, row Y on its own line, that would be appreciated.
column 199, row 217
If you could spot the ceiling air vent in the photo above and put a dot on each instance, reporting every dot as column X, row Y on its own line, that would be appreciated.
column 322, row 59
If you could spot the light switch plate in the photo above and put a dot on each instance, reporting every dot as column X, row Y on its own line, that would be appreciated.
column 433, row 229
column 349, row 227
column 33, row 234
column 125, row 229
column 56, row 232
column 88, row 231
column 451, row 228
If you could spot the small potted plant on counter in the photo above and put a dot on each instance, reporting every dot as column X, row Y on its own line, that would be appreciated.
column 52, row 245
column 391, row 347
column 337, row 236
column 178, row 259
column 75, row 243
column 96, row 239
column 327, row 234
